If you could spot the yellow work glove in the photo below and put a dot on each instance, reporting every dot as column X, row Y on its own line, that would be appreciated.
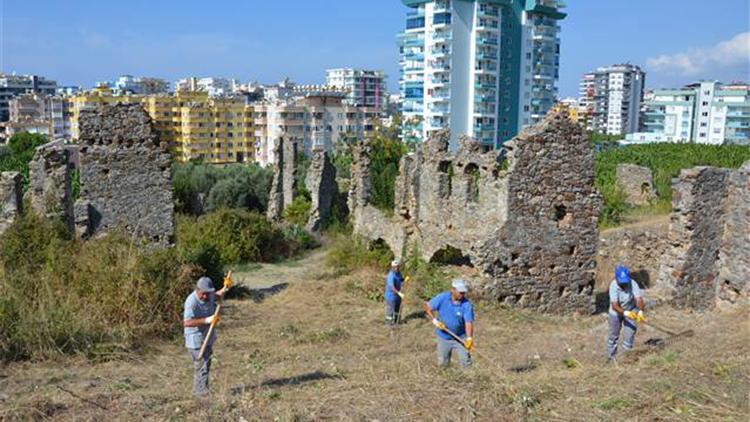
column 438, row 323
column 228, row 282
column 406, row 280
column 469, row 343
column 213, row 318
column 630, row 315
column 640, row 317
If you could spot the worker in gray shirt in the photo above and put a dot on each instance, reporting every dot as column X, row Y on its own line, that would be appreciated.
column 200, row 308
column 625, row 298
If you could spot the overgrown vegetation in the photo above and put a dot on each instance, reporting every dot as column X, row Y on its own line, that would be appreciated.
column 108, row 296
column 200, row 188
column 386, row 153
column 239, row 236
column 96, row 297
column 665, row 161
column 19, row 152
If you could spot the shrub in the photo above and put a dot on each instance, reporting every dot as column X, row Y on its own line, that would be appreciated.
column 233, row 186
column 237, row 236
column 348, row 253
column 386, row 153
column 298, row 212
column 19, row 152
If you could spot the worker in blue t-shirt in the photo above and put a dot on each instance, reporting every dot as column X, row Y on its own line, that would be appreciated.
column 456, row 315
column 393, row 295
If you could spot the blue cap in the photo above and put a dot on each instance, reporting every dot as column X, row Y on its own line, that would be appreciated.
column 205, row 284
column 622, row 274
column 459, row 285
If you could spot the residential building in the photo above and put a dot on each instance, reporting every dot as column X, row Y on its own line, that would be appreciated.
column 613, row 94
column 364, row 88
column 13, row 85
column 198, row 127
column 101, row 95
column 318, row 118
column 215, row 87
column 486, row 68
column 705, row 112
column 130, row 85
column 32, row 112
column 586, row 102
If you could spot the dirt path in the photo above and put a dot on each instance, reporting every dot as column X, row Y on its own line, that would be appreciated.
column 263, row 276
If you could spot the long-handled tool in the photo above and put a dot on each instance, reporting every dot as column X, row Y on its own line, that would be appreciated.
column 473, row 349
column 215, row 318
column 403, row 302
column 686, row 333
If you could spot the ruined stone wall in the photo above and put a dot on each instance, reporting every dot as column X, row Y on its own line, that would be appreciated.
column 637, row 182
column 50, row 181
column 544, row 256
column 126, row 180
column 733, row 285
column 526, row 221
column 321, row 182
column 283, row 184
column 11, row 201
column 709, row 239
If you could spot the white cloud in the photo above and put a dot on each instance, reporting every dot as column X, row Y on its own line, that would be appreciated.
column 734, row 53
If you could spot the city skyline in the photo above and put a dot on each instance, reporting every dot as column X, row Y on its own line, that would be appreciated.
column 88, row 42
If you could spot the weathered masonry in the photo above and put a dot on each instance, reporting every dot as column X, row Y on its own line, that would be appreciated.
column 11, row 202
column 707, row 262
column 125, row 177
column 525, row 217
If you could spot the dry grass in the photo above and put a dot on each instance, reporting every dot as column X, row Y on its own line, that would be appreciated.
column 318, row 350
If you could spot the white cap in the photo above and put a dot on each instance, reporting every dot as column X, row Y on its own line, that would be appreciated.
column 459, row 285
column 396, row 262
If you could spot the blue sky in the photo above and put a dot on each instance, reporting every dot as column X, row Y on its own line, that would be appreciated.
column 81, row 41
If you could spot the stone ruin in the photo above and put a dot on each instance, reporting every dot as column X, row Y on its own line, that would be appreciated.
column 320, row 181
column 707, row 262
column 11, row 201
column 637, row 182
column 125, row 177
column 525, row 217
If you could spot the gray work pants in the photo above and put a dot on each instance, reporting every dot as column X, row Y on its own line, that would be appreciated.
column 201, row 369
column 392, row 312
column 444, row 348
column 628, row 326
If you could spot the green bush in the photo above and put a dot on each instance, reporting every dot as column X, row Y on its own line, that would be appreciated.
column 427, row 278
column 19, row 152
column 237, row 236
column 298, row 212
column 348, row 253
column 233, row 186
column 385, row 155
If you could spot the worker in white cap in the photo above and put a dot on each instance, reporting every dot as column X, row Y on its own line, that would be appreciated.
column 455, row 327
column 394, row 281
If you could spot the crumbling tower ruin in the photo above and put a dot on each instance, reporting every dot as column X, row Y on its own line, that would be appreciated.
column 126, row 180
column 526, row 216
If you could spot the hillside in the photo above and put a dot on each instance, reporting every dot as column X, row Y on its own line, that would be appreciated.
column 312, row 348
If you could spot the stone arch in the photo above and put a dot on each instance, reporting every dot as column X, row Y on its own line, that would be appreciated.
column 450, row 255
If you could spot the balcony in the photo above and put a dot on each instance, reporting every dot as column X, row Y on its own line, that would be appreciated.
column 485, row 85
column 442, row 38
column 487, row 41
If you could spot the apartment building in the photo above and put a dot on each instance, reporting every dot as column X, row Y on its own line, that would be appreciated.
column 706, row 112
column 130, row 85
column 215, row 87
column 614, row 95
column 485, row 68
column 39, row 113
column 317, row 117
column 364, row 88
column 12, row 85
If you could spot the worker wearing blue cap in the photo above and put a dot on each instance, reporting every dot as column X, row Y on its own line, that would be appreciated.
column 625, row 298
